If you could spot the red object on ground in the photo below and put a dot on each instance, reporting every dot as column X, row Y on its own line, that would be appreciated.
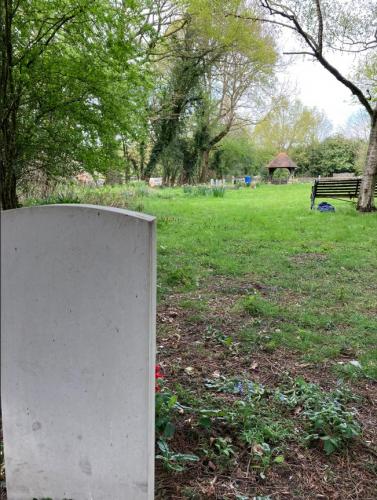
column 158, row 375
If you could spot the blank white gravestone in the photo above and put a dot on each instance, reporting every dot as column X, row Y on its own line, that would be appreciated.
column 78, row 348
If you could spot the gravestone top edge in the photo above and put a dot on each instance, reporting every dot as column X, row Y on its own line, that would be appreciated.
column 101, row 208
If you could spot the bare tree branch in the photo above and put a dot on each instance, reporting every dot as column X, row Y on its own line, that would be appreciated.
column 303, row 53
column 279, row 10
column 320, row 25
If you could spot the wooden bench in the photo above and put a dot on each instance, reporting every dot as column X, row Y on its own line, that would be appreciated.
column 347, row 188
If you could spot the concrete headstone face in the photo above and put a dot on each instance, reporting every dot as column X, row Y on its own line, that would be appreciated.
column 78, row 349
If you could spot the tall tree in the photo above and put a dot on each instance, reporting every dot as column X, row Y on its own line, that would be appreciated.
column 209, row 57
column 235, row 86
column 71, row 81
column 290, row 124
column 179, row 91
column 322, row 27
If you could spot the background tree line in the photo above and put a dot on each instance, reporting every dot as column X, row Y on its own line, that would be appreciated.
column 183, row 89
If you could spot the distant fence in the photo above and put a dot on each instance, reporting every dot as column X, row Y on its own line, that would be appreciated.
column 280, row 181
column 344, row 175
column 294, row 180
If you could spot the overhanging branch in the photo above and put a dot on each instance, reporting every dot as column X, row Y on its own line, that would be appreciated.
column 316, row 47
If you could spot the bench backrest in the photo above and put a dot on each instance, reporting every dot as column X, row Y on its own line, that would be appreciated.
column 338, row 187
column 334, row 188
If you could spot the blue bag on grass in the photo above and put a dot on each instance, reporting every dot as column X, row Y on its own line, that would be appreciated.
column 325, row 207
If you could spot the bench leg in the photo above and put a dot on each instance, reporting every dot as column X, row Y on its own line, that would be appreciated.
column 312, row 200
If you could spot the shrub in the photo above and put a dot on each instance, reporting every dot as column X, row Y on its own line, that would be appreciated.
column 58, row 198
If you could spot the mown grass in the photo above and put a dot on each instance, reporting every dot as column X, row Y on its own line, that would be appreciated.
column 320, row 267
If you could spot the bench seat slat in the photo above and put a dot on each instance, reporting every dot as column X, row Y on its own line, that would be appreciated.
column 328, row 184
column 331, row 188
column 322, row 186
column 348, row 195
column 346, row 190
column 323, row 191
column 335, row 195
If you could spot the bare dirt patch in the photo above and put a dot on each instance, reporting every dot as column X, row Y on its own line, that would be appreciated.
column 189, row 354
column 304, row 258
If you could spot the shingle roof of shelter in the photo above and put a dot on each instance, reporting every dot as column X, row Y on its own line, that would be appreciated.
column 282, row 160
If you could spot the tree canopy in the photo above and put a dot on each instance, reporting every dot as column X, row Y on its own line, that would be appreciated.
column 73, row 77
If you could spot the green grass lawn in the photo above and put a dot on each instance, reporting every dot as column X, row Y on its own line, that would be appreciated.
column 320, row 268
column 267, row 337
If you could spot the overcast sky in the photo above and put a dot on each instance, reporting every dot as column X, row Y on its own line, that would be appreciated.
column 317, row 87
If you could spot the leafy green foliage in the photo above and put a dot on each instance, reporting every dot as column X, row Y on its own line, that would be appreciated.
column 166, row 404
column 221, row 451
column 68, row 197
column 240, row 156
column 334, row 426
column 199, row 190
column 249, row 422
column 78, row 89
column 219, row 337
column 166, row 408
column 333, row 155
column 174, row 462
column 327, row 419
column 202, row 190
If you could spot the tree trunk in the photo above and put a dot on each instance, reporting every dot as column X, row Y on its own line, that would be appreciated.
column 8, row 157
column 127, row 172
column 8, row 186
column 205, row 152
column 368, row 183
column 204, row 165
column 8, row 112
